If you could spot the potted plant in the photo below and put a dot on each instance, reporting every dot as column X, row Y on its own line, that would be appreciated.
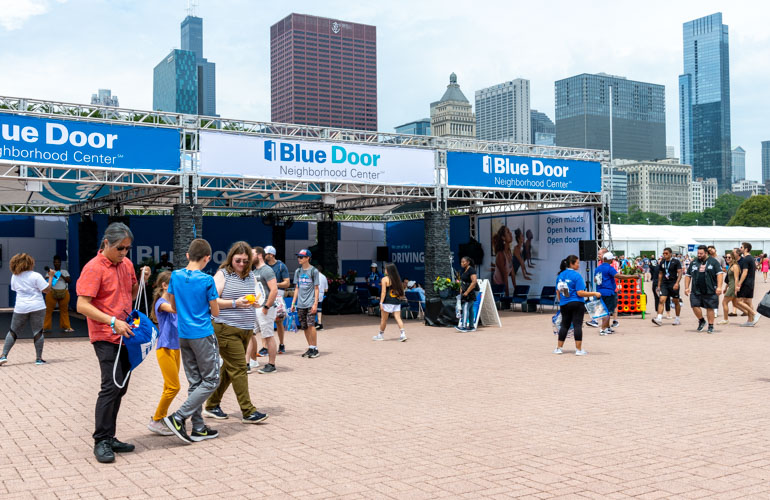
column 350, row 280
column 444, row 286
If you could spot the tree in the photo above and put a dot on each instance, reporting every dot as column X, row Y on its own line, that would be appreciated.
column 754, row 212
column 723, row 210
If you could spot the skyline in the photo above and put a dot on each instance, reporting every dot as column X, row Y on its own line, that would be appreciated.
column 417, row 50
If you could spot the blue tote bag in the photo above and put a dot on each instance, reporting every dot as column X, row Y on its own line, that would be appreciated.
column 145, row 336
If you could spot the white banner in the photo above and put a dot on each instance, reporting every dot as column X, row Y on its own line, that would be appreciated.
column 262, row 157
column 526, row 248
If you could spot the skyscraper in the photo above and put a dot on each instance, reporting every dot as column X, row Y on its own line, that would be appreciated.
column 704, row 100
column 323, row 72
column 542, row 128
column 765, row 161
column 638, row 110
column 192, row 40
column 452, row 115
column 417, row 127
column 183, row 70
column 104, row 97
column 739, row 164
column 175, row 83
column 502, row 112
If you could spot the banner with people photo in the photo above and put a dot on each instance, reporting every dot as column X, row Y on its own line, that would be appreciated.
column 526, row 248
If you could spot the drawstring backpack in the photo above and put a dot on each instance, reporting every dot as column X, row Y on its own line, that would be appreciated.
column 144, row 339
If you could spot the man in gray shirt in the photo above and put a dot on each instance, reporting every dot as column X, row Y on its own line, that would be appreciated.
column 266, row 307
column 305, row 300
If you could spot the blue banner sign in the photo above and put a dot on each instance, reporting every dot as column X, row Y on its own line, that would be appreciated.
column 522, row 172
column 63, row 142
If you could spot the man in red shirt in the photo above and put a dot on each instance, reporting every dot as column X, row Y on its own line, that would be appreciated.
column 106, row 289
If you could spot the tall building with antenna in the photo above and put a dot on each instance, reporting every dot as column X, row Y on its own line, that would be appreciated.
column 185, row 81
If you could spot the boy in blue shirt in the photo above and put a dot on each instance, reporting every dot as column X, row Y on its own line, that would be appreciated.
column 604, row 277
column 193, row 295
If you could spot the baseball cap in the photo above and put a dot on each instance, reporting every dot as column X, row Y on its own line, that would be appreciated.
column 608, row 256
column 304, row 253
column 373, row 265
column 410, row 284
column 270, row 249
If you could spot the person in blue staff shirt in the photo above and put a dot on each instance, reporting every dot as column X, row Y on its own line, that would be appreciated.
column 373, row 281
column 605, row 277
column 572, row 291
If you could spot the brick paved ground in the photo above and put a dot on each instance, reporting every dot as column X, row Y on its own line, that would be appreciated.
column 649, row 413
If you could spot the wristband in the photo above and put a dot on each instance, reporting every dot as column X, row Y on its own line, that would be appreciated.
column 233, row 303
column 112, row 323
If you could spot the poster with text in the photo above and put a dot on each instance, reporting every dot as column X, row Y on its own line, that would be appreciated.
column 526, row 248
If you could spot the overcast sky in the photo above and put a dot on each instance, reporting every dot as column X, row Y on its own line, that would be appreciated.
column 67, row 49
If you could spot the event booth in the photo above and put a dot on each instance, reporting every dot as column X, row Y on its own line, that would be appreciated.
column 66, row 170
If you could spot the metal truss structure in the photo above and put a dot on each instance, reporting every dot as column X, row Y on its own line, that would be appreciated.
column 155, row 192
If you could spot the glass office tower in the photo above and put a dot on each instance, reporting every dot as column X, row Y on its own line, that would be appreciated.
column 175, row 83
column 192, row 40
column 704, row 100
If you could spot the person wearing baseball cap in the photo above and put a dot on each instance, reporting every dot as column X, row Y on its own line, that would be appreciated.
column 282, row 278
column 373, row 280
column 604, row 277
column 305, row 301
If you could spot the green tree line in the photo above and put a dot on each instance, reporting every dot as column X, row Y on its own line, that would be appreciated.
column 728, row 210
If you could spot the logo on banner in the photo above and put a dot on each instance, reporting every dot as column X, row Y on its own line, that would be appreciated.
column 295, row 152
column 503, row 165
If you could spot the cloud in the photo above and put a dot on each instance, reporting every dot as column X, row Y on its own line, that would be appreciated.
column 14, row 13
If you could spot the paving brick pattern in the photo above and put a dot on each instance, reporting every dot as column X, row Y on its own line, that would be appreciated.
column 649, row 413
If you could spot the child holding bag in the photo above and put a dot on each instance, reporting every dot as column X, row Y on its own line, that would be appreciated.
column 168, row 353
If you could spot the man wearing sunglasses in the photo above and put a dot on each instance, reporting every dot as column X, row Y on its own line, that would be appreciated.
column 305, row 300
column 106, row 290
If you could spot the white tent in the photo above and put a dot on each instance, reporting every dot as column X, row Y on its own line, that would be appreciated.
column 634, row 239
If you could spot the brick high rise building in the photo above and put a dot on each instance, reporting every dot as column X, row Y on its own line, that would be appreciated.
column 323, row 72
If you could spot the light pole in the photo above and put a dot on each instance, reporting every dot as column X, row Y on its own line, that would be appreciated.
column 696, row 222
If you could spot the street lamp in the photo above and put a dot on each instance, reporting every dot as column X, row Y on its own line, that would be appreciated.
column 648, row 221
column 696, row 222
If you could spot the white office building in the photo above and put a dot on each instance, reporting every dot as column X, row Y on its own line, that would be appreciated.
column 704, row 194
column 739, row 164
column 748, row 188
column 503, row 112
column 662, row 187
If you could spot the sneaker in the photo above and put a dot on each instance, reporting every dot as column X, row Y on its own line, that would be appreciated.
column 657, row 322
column 378, row 337
column 306, row 354
column 281, row 349
column 677, row 322
column 319, row 326
column 592, row 323
column 215, row 412
column 403, row 337
column 313, row 354
column 121, row 447
column 610, row 331
column 253, row 365
column 668, row 316
column 604, row 332
column 177, row 427
column 255, row 418
column 710, row 329
column 103, row 452
column 755, row 320
column 263, row 351
column 557, row 350
column 203, row 434
column 158, row 427
column 723, row 322
column 581, row 352
column 701, row 324
column 69, row 330
column 747, row 324
column 268, row 368
column 460, row 329
column 3, row 360
column 41, row 361
column 614, row 323
column 732, row 314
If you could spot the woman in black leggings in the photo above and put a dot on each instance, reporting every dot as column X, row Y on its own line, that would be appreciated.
column 572, row 290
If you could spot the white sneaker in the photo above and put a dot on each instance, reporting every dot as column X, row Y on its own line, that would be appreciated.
column 747, row 324
column 604, row 332
column 253, row 365
column 755, row 320
column 668, row 316
column 676, row 321
column 557, row 350
column 158, row 427
column 378, row 337
column 657, row 322
column 403, row 337
column 723, row 322
column 581, row 352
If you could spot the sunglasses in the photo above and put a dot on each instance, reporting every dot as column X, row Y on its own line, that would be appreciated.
column 121, row 249
column 302, row 256
column 240, row 261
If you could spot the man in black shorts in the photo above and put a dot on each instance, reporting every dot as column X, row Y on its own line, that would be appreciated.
column 744, row 287
column 669, row 277
column 706, row 276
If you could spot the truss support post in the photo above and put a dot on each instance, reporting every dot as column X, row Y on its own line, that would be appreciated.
column 473, row 216
column 279, row 239
column 437, row 254
column 188, row 225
